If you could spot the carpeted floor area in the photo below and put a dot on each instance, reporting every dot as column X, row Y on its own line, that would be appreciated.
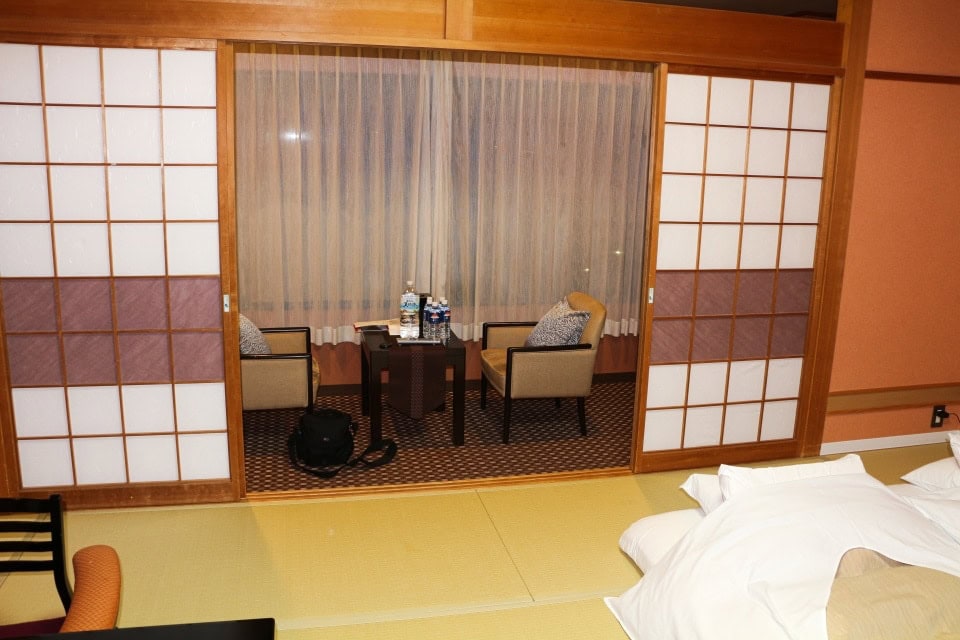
column 543, row 439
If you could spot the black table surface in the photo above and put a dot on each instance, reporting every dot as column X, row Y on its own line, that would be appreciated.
column 251, row 629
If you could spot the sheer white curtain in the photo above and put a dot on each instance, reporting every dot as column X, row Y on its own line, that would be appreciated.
column 500, row 182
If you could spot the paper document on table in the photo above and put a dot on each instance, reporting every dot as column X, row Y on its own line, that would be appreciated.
column 392, row 325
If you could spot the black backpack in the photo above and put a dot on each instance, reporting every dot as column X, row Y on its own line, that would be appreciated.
column 323, row 442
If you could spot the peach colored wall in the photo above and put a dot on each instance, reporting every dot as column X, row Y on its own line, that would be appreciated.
column 899, row 308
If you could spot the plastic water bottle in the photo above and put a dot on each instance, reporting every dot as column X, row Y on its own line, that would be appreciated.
column 409, row 310
column 425, row 319
column 436, row 323
column 445, row 311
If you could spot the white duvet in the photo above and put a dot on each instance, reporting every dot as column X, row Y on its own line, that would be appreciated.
column 761, row 565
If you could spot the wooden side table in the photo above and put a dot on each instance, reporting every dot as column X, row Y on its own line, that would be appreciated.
column 375, row 349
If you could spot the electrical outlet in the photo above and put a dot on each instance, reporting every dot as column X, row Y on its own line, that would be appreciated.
column 938, row 416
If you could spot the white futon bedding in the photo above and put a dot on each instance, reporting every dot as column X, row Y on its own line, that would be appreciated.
column 762, row 564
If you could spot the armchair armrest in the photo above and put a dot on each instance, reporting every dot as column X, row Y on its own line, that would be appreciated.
column 501, row 335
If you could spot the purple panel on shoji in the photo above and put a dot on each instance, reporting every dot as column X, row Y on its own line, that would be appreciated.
column 34, row 360
column 141, row 303
column 711, row 339
column 793, row 291
column 29, row 305
column 195, row 303
column 755, row 292
column 715, row 293
column 670, row 341
column 145, row 357
column 85, row 304
column 750, row 337
column 197, row 357
column 90, row 359
column 789, row 336
column 674, row 294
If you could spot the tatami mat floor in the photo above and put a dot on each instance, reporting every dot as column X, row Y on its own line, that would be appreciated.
column 529, row 561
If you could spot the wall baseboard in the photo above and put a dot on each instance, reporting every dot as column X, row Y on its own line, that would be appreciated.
column 890, row 442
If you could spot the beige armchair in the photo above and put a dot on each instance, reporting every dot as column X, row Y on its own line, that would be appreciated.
column 283, row 379
column 519, row 372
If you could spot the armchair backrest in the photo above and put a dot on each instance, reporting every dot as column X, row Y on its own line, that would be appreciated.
column 598, row 317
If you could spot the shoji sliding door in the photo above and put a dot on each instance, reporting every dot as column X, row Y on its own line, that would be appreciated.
column 110, row 294
column 739, row 200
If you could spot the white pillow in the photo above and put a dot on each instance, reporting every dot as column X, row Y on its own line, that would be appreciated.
column 942, row 474
column 705, row 489
column 648, row 539
column 955, row 444
column 736, row 479
column 943, row 507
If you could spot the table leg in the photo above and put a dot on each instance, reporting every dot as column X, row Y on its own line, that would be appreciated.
column 459, row 392
column 375, row 402
column 364, row 382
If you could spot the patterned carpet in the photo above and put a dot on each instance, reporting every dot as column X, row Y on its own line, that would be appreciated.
column 543, row 439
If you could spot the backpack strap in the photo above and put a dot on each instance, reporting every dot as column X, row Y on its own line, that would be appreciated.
column 387, row 446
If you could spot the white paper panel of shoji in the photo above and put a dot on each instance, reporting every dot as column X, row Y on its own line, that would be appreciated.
column 78, row 192
column 99, row 460
column 783, row 378
column 663, row 429
column 138, row 249
column 802, row 200
column 23, row 192
column 189, row 136
column 746, row 380
column 153, row 458
column 768, row 153
column 759, row 248
column 683, row 148
column 726, row 150
column 797, row 246
column 82, row 249
column 131, row 77
column 19, row 73
column 189, row 78
column 741, row 423
column 722, row 199
column 771, row 104
column 201, row 406
column 666, row 385
column 703, row 427
column 193, row 248
column 806, row 154
column 21, row 134
column 708, row 382
column 71, row 75
column 203, row 456
column 764, row 200
column 148, row 408
column 94, row 410
column 191, row 193
column 730, row 101
column 75, row 134
column 133, row 135
column 680, row 198
column 686, row 98
column 25, row 250
column 779, row 419
column 136, row 193
column 45, row 463
column 719, row 244
column 677, row 246
column 811, row 103
column 39, row 412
